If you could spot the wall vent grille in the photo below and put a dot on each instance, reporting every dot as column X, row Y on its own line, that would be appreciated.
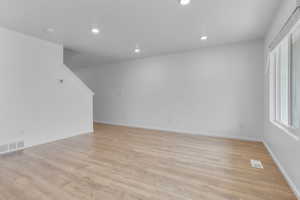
column 11, row 147
column 256, row 164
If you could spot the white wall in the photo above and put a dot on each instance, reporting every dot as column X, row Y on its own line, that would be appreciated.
column 215, row 91
column 285, row 148
column 34, row 105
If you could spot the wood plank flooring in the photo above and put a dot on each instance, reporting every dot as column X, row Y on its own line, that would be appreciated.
column 120, row 163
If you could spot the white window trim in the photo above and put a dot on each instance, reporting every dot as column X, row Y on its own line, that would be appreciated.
column 288, row 130
column 274, row 111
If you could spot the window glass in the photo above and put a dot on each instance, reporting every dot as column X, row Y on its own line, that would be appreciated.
column 295, row 83
column 284, row 82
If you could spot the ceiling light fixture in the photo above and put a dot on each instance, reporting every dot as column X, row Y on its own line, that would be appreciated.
column 95, row 31
column 185, row 2
column 137, row 50
column 50, row 30
column 204, row 38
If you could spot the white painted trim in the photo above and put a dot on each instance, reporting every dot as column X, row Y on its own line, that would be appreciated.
column 51, row 140
column 200, row 133
column 287, row 130
column 9, row 152
column 60, row 138
column 283, row 171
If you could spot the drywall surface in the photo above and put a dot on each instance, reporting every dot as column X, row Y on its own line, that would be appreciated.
column 216, row 91
column 35, row 105
column 284, row 147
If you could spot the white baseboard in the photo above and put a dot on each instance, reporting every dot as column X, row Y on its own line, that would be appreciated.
column 180, row 131
column 283, row 171
column 58, row 138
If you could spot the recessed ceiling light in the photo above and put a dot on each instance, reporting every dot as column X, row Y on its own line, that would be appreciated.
column 185, row 2
column 137, row 50
column 50, row 30
column 204, row 37
column 95, row 31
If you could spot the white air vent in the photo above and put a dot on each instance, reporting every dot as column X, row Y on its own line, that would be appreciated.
column 256, row 164
column 11, row 147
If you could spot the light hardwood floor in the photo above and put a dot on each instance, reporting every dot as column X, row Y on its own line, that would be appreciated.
column 118, row 163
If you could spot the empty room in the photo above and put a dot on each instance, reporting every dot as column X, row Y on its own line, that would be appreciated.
column 149, row 100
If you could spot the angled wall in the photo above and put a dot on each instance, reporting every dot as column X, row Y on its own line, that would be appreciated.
column 40, row 99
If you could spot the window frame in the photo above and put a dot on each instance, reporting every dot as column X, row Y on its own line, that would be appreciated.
column 275, row 86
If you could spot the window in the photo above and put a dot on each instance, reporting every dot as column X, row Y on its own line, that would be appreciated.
column 285, row 82
column 295, row 78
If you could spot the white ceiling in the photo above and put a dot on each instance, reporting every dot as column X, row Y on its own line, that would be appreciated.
column 157, row 26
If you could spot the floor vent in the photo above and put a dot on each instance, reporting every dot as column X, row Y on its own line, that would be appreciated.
column 256, row 164
column 11, row 147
